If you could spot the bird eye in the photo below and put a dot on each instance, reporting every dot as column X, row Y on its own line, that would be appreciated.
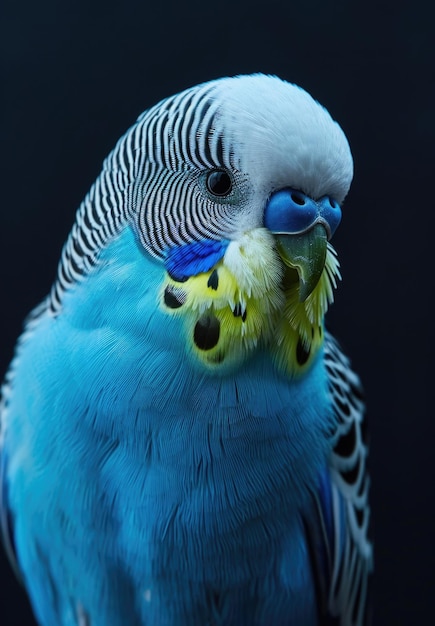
column 219, row 183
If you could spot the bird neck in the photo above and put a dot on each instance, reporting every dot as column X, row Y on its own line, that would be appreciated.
column 131, row 359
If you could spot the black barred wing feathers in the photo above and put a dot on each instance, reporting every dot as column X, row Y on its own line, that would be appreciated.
column 338, row 525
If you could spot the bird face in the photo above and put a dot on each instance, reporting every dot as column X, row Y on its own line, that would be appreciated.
column 244, row 217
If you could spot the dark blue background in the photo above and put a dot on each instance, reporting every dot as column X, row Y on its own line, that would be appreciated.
column 75, row 74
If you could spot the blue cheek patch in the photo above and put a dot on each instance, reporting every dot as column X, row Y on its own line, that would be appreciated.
column 191, row 259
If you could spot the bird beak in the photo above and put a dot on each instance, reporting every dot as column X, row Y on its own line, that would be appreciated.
column 306, row 253
column 302, row 227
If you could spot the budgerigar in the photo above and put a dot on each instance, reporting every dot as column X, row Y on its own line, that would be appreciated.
column 182, row 441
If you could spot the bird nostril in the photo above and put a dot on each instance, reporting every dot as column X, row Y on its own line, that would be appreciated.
column 297, row 199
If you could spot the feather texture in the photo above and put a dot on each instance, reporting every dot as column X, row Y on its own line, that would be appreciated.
column 182, row 442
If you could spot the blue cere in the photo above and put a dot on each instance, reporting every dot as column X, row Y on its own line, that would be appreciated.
column 194, row 258
column 289, row 211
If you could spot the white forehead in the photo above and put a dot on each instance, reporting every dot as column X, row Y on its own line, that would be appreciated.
column 282, row 136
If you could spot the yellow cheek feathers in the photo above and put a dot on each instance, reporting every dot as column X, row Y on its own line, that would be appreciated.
column 243, row 301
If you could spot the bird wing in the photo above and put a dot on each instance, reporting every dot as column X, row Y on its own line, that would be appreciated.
column 6, row 522
column 337, row 527
column 6, row 515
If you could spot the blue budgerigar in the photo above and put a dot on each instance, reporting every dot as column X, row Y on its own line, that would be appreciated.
column 182, row 441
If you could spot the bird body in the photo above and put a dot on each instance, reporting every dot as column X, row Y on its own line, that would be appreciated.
column 181, row 438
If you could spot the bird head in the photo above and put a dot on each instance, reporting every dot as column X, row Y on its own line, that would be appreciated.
column 252, row 172
column 235, row 186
